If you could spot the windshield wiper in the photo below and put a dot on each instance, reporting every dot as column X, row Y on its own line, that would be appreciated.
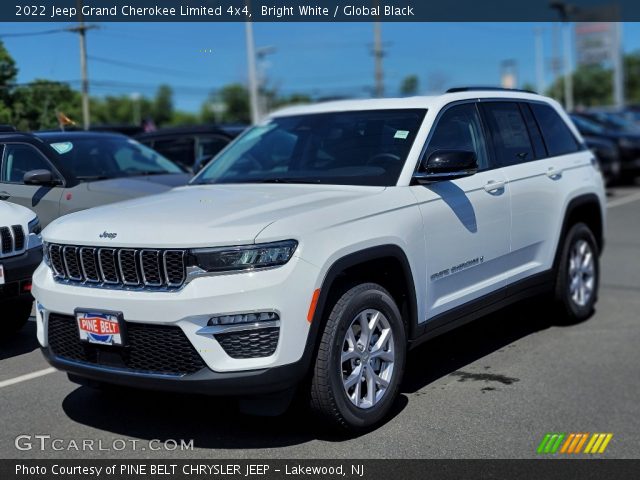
column 144, row 173
column 94, row 177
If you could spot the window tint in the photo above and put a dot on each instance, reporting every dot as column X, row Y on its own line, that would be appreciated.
column 460, row 128
column 556, row 133
column 211, row 145
column 509, row 134
column 18, row 159
column 534, row 131
column 180, row 150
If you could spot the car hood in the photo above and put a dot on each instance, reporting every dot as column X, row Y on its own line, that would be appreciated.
column 10, row 213
column 129, row 187
column 199, row 216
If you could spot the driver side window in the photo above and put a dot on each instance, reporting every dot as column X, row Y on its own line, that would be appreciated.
column 19, row 159
column 459, row 128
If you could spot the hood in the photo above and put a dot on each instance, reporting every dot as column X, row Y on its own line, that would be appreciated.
column 198, row 216
column 11, row 214
column 129, row 187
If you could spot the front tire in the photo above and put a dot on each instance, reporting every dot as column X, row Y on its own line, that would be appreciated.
column 360, row 360
column 578, row 275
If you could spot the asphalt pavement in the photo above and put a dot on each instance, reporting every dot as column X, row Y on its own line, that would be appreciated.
column 491, row 389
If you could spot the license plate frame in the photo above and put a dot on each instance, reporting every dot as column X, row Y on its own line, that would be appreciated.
column 100, row 327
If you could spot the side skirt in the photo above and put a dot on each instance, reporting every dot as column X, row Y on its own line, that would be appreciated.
column 463, row 314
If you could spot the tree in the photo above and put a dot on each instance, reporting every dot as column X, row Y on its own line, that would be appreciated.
column 163, row 105
column 409, row 85
column 8, row 73
column 35, row 106
column 235, row 98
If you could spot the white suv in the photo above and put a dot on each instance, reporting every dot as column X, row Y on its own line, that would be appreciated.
column 322, row 244
column 20, row 255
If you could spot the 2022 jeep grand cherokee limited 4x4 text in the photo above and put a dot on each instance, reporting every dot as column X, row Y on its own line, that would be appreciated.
column 322, row 244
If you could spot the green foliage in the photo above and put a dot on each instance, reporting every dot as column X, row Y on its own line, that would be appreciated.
column 8, row 73
column 409, row 86
column 235, row 98
column 34, row 106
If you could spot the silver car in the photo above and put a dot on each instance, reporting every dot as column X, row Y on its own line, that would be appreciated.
column 56, row 173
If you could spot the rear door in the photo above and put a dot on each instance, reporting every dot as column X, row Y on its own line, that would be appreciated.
column 466, row 221
column 537, row 152
column 18, row 159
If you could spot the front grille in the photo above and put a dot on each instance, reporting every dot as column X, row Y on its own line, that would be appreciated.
column 250, row 343
column 155, row 349
column 12, row 240
column 118, row 267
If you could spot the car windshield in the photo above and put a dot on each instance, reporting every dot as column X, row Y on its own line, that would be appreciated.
column 346, row 148
column 96, row 158
column 587, row 125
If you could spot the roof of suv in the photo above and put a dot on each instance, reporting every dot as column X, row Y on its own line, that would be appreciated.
column 408, row 102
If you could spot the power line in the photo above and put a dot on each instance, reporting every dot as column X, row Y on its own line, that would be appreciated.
column 32, row 34
column 142, row 67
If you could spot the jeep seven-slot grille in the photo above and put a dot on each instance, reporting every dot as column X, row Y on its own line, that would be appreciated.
column 156, row 349
column 118, row 267
column 12, row 240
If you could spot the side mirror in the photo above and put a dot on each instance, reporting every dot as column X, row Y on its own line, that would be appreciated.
column 446, row 165
column 40, row 177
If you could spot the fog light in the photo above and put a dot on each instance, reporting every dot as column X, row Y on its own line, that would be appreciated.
column 239, row 318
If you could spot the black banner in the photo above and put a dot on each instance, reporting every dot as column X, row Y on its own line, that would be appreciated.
column 317, row 10
column 320, row 469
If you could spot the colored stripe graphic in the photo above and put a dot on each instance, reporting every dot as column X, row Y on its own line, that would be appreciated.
column 573, row 443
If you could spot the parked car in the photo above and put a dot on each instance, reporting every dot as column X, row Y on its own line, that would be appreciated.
column 607, row 155
column 55, row 173
column 627, row 141
column 20, row 254
column 190, row 146
column 322, row 245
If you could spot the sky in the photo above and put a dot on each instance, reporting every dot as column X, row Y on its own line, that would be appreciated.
column 320, row 59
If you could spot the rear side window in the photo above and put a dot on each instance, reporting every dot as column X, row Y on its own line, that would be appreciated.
column 557, row 135
column 509, row 134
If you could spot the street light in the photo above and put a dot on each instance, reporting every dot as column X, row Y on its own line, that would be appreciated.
column 565, row 10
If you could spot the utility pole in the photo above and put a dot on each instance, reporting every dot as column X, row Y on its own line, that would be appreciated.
column 618, row 66
column 81, row 29
column 378, row 53
column 564, row 11
column 540, row 86
column 253, row 76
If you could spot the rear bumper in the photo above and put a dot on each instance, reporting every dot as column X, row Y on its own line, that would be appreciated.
column 18, row 271
column 205, row 381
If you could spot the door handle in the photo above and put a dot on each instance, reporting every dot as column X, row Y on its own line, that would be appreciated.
column 493, row 186
column 554, row 173
column 4, row 196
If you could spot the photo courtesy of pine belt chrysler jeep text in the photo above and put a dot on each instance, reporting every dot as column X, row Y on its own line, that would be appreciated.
column 321, row 245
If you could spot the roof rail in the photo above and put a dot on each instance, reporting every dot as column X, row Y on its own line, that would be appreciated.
column 498, row 89
column 7, row 128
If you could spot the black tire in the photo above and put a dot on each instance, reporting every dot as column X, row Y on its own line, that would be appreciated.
column 329, row 399
column 14, row 316
column 569, row 309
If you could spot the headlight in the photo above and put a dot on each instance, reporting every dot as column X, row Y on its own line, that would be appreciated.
column 34, row 226
column 246, row 257
column 34, row 240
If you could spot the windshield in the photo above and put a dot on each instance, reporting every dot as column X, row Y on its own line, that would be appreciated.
column 587, row 126
column 345, row 148
column 110, row 157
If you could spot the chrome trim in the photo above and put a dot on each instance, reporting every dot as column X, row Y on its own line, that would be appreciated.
column 135, row 265
column 237, row 327
column 56, row 272
column 82, row 268
column 66, row 264
column 421, row 176
column 157, row 262
column 104, row 279
column 164, row 264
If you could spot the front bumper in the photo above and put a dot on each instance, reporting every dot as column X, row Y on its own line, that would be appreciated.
column 286, row 290
column 18, row 271
column 205, row 381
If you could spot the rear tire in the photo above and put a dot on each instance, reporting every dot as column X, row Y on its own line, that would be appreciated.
column 577, row 276
column 360, row 360
column 14, row 316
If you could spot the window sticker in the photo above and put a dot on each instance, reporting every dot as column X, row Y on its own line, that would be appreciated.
column 403, row 134
column 62, row 147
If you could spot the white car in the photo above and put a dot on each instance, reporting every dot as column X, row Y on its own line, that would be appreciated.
column 20, row 254
column 323, row 244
